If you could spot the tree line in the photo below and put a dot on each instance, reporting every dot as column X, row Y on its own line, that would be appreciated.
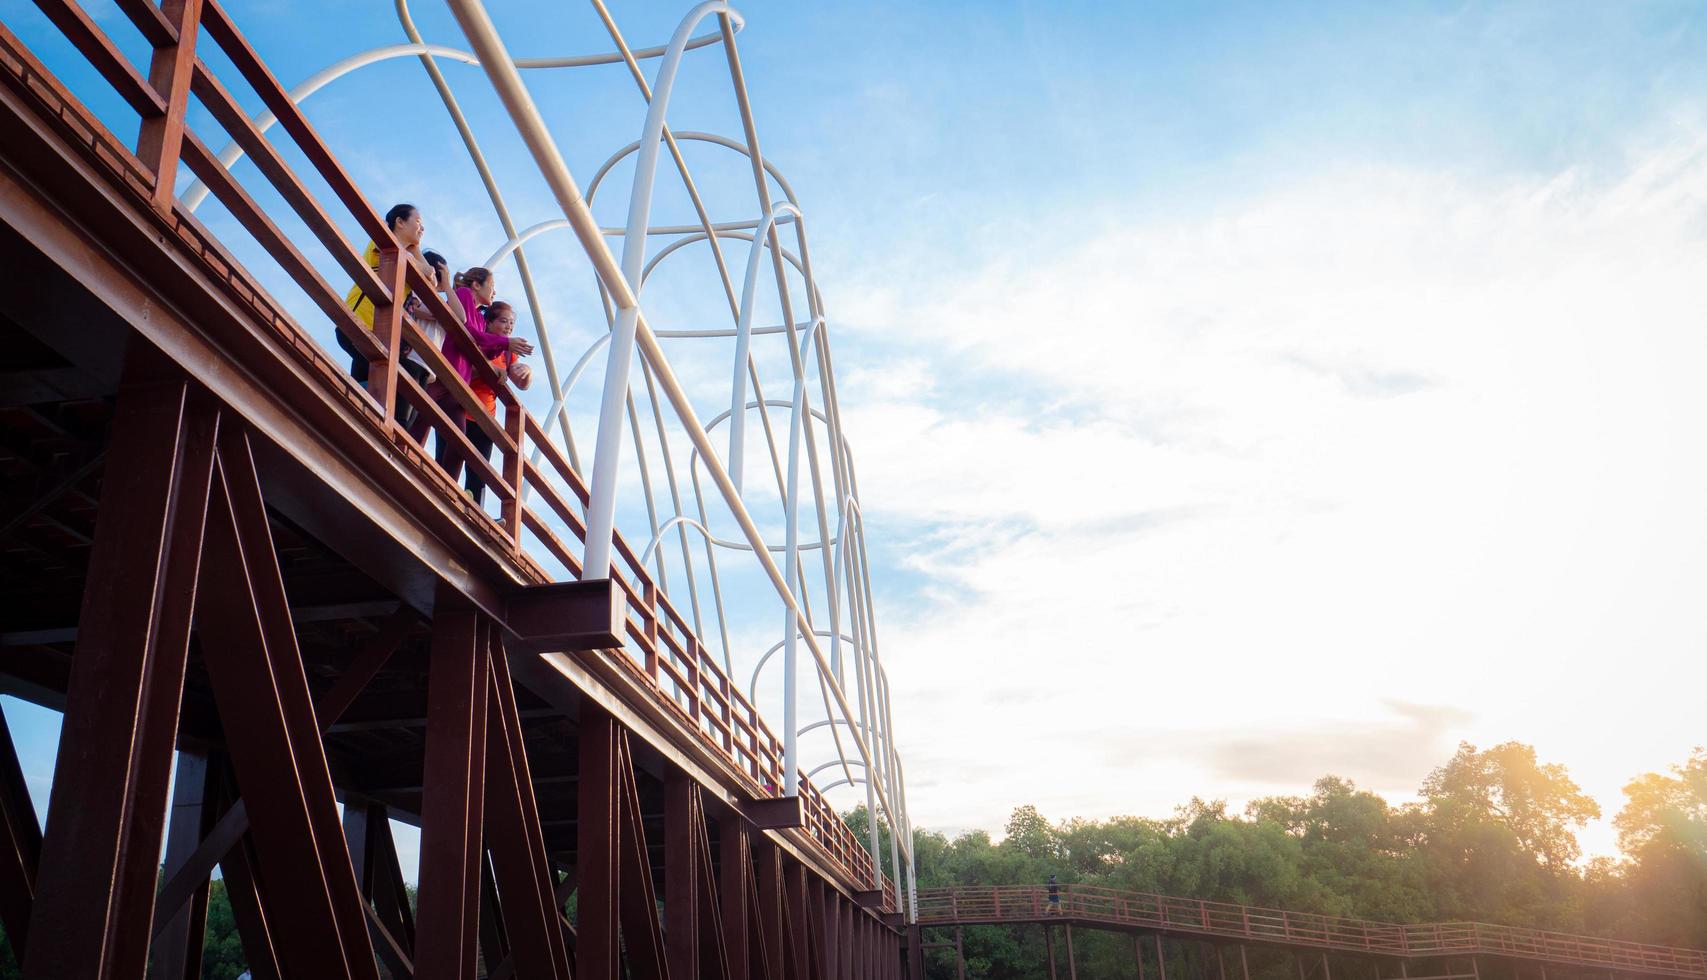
column 1492, row 838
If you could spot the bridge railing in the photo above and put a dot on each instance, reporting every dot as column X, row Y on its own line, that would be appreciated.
column 1246, row 923
column 663, row 652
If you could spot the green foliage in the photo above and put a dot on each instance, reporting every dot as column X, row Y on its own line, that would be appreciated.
column 1493, row 839
column 222, row 950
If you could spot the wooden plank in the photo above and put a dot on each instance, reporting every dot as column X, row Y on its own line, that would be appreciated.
column 417, row 396
column 169, row 73
column 206, row 166
column 95, row 45
column 219, row 26
column 149, row 19
column 230, row 114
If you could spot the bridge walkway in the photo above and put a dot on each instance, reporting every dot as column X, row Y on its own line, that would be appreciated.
column 1090, row 906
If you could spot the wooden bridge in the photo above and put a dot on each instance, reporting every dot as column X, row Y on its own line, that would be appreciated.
column 1386, row 948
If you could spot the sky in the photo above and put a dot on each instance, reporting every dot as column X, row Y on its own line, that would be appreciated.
column 1240, row 393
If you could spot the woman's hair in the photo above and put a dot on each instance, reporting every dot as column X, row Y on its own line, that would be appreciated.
column 399, row 212
column 493, row 309
column 473, row 277
column 433, row 258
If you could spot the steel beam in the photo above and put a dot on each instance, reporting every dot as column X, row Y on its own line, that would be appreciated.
column 313, row 906
column 566, row 616
column 735, row 879
column 616, row 903
column 95, row 893
column 373, row 853
column 522, row 870
column 452, row 802
column 768, row 874
column 249, row 911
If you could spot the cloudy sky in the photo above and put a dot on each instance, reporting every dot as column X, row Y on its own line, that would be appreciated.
column 1240, row 393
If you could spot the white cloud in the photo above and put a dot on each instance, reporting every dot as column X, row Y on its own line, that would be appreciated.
column 1377, row 436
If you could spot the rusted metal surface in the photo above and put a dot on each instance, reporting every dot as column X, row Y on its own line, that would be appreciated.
column 121, row 716
column 1089, row 905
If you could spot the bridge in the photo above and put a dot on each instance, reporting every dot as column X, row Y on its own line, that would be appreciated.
column 278, row 630
column 279, row 634
column 1307, row 943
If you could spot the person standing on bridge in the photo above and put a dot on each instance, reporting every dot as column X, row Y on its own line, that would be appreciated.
column 1054, row 897
column 475, row 288
column 406, row 226
column 501, row 320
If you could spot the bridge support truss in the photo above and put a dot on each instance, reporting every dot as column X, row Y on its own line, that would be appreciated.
column 186, row 646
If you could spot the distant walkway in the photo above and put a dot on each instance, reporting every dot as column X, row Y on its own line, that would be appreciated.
column 1094, row 907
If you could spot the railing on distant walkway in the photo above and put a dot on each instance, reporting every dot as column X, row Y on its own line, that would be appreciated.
column 1245, row 923
column 665, row 653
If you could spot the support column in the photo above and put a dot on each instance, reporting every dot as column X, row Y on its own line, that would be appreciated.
column 522, row 875
column 681, row 873
column 830, row 912
column 798, row 920
column 1072, row 965
column 452, row 808
column 249, row 912
column 734, row 883
column 769, row 873
column 1048, row 946
column 694, row 942
column 95, row 889
column 616, row 901
column 915, row 952
column 373, row 854
column 255, row 670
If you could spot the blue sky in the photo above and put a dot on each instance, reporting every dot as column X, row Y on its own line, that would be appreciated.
column 1241, row 392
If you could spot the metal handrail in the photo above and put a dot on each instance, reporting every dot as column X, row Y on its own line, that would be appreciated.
column 995, row 903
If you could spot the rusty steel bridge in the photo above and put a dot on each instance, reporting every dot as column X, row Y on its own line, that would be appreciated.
column 276, row 629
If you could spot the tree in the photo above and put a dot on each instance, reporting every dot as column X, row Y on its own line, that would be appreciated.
column 1538, row 804
column 1659, row 894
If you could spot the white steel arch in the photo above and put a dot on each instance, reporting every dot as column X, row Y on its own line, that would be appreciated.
column 837, row 589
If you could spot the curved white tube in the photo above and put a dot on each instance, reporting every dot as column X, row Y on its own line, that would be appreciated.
column 607, row 451
column 743, row 347
column 231, row 152
column 683, row 519
column 476, row 24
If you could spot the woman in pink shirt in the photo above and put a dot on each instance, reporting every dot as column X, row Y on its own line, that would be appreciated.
column 474, row 288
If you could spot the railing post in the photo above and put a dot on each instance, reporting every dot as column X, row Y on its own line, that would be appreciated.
column 649, row 593
column 514, row 417
column 388, row 330
column 161, row 137
column 724, row 689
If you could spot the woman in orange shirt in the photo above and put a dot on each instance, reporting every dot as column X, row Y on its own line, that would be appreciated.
column 500, row 319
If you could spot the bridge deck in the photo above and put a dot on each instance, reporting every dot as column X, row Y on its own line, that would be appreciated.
column 1105, row 907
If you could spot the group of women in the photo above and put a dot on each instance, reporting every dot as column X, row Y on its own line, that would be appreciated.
column 471, row 296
